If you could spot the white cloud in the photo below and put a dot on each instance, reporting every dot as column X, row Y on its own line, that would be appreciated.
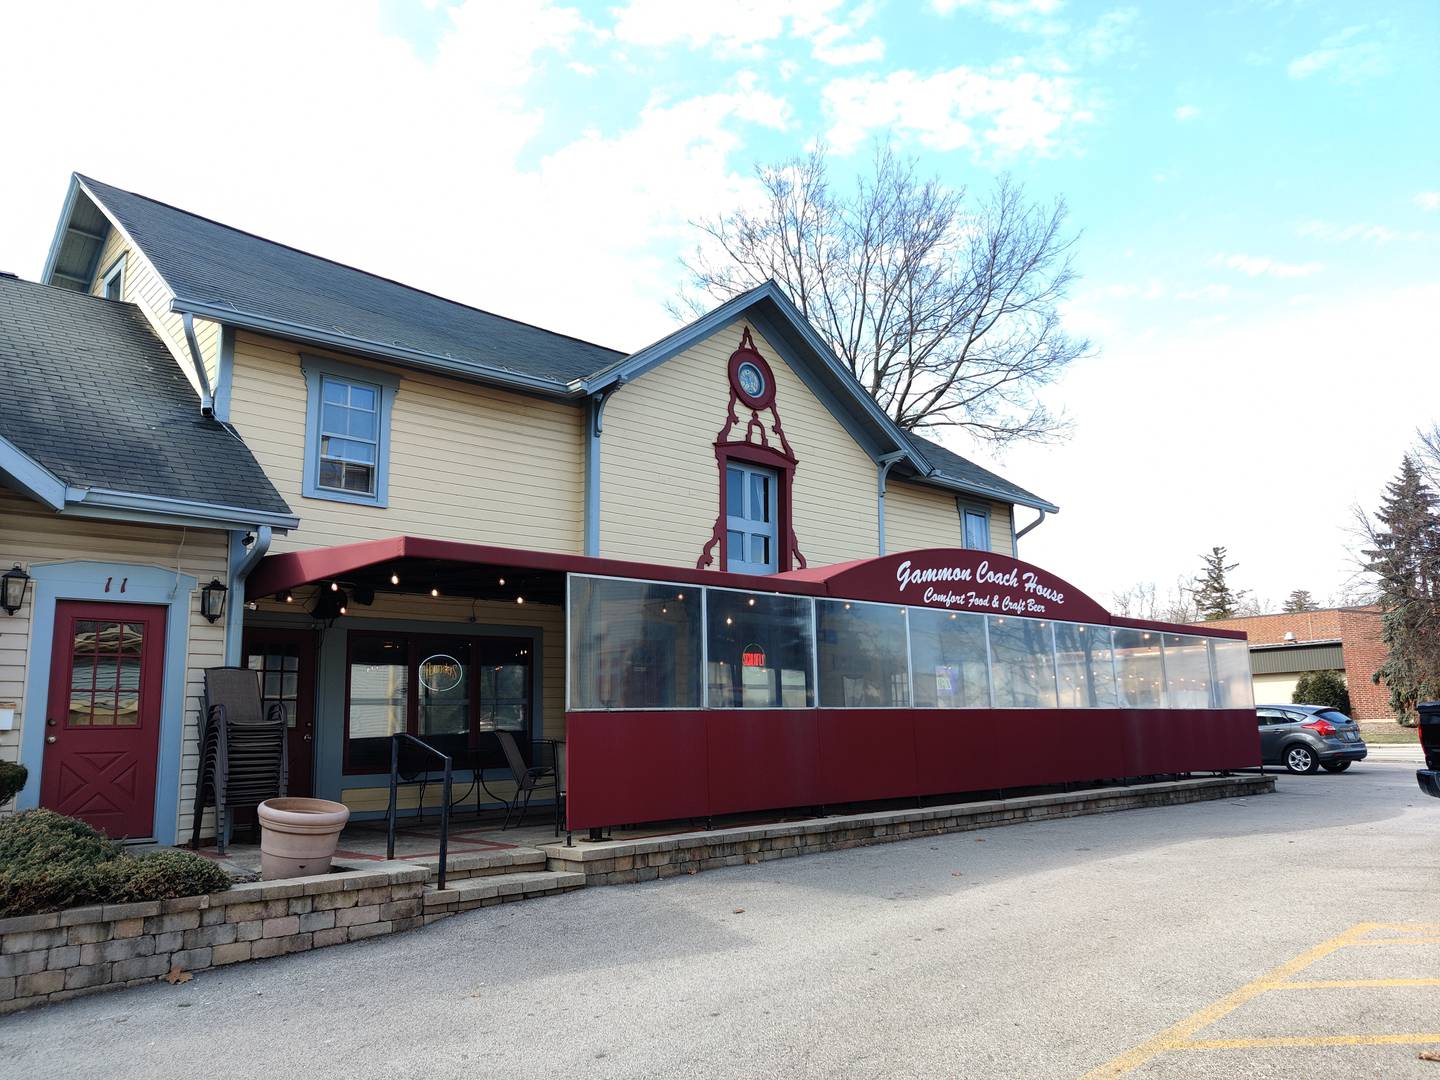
column 1428, row 200
column 1187, row 112
column 1006, row 109
column 1262, row 266
column 747, row 27
column 1022, row 14
column 1348, row 56
column 1327, row 230
column 428, row 170
column 1182, row 384
column 1112, row 34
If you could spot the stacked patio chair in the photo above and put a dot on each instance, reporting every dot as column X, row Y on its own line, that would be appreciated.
column 529, row 778
column 242, row 750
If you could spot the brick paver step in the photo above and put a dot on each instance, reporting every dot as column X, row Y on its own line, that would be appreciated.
column 470, row 864
column 495, row 888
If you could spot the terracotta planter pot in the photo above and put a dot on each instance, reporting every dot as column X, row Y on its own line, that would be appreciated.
column 298, row 836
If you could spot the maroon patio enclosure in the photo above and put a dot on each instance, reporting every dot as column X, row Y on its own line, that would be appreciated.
column 647, row 765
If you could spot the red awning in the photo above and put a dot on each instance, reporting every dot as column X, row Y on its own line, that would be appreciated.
column 956, row 579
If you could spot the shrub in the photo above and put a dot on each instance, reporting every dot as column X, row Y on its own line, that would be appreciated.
column 49, row 861
column 1325, row 688
column 12, row 778
column 159, row 876
column 38, row 839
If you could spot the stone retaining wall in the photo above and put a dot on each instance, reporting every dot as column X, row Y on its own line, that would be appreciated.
column 85, row 950
column 624, row 861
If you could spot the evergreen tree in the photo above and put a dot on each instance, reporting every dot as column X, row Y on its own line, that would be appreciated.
column 1214, row 598
column 1325, row 688
column 1404, row 556
column 1298, row 601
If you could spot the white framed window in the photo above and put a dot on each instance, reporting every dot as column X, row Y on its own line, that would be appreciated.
column 112, row 285
column 751, row 513
column 347, row 432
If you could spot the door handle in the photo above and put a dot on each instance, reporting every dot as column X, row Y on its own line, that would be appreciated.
column 49, row 738
column 50, row 721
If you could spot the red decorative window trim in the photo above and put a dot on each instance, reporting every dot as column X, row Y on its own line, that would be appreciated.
column 758, row 444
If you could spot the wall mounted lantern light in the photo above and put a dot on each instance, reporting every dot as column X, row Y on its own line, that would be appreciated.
column 13, row 584
column 212, row 600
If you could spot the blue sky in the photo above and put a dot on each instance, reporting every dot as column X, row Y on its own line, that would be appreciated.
column 1257, row 186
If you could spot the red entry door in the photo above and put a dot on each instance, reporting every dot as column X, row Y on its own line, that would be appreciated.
column 286, row 662
column 102, row 726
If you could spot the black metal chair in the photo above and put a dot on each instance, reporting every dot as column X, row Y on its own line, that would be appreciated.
column 530, row 778
column 243, row 758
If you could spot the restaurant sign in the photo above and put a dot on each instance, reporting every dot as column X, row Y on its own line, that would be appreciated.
column 959, row 579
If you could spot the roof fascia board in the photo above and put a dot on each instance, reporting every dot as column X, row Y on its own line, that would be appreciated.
column 30, row 476
column 53, row 255
column 941, row 480
column 193, row 368
column 869, row 404
column 846, row 418
column 744, row 305
column 102, row 502
column 655, row 354
column 444, row 365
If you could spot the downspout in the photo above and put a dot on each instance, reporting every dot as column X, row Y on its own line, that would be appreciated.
column 243, row 559
column 882, row 470
column 594, row 425
column 1034, row 524
column 207, row 395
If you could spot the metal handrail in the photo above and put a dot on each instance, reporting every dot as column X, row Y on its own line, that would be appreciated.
column 394, row 793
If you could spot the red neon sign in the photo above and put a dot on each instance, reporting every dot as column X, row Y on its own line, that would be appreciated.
column 753, row 656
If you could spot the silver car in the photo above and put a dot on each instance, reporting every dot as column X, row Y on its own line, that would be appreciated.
column 1304, row 738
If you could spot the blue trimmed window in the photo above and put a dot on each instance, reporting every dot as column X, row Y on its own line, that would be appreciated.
column 977, row 528
column 751, row 539
column 347, row 432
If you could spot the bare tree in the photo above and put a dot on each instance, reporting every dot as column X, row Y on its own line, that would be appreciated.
column 1143, row 601
column 946, row 311
column 1138, row 601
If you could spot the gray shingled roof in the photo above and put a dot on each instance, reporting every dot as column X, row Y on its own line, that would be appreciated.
column 210, row 263
column 94, row 396
column 963, row 471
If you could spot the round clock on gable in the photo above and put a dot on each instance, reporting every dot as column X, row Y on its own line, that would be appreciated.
column 750, row 377
column 751, row 380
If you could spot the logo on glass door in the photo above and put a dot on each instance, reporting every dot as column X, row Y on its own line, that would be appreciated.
column 440, row 673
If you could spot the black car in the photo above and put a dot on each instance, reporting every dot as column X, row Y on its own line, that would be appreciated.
column 1304, row 738
column 1429, row 777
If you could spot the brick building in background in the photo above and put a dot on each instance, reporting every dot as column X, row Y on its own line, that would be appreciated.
column 1284, row 647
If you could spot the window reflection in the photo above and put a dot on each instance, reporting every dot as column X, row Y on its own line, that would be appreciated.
column 1084, row 668
column 1187, row 671
column 1139, row 673
column 863, row 660
column 633, row 645
column 760, row 648
column 1022, row 663
column 948, row 651
column 1234, row 687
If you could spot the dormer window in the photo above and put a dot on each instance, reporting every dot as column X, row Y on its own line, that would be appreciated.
column 113, row 283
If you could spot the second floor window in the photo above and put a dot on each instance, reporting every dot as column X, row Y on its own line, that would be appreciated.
column 347, row 431
column 977, row 530
column 349, row 435
column 752, row 539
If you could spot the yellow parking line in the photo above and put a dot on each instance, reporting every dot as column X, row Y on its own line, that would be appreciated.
column 1412, row 1039
column 1173, row 1038
column 1352, row 984
column 1407, row 926
column 1397, row 941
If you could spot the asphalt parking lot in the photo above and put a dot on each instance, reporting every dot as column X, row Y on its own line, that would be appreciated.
column 1287, row 935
